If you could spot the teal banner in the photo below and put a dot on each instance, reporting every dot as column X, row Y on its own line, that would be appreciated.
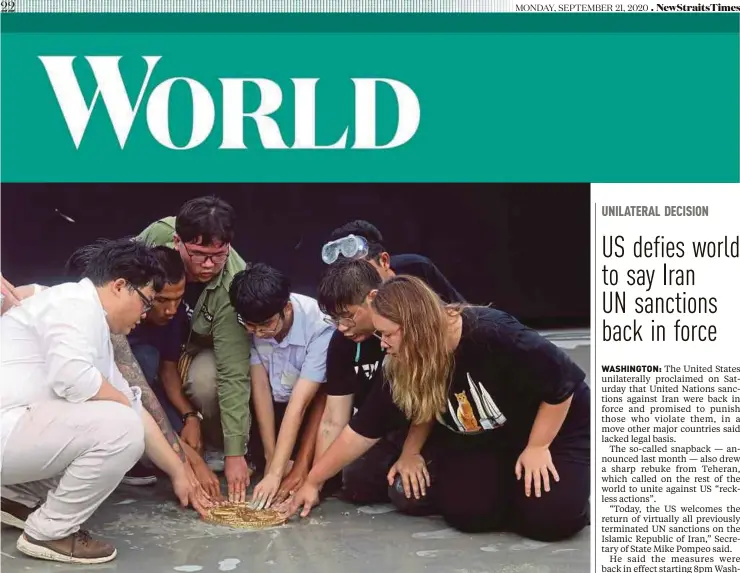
column 370, row 97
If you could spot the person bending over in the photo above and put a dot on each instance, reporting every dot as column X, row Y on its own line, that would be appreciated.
column 156, row 344
column 390, row 265
column 288, row 363
column 354, row 367
column 215, row 365
column 71, row 424
column 155, row 347
column 516, row 407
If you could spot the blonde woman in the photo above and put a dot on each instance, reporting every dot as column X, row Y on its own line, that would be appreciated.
column 516, row 455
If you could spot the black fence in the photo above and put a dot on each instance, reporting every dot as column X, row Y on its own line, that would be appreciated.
column 523, row 248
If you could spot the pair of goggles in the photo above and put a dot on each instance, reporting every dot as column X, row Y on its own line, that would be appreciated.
column 350, row 247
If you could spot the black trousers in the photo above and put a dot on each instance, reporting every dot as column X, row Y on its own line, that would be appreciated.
column 365, row 481
column 474, row 487
column 477, row 491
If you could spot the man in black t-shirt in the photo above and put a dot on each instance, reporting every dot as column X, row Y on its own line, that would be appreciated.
column 390, row 265
column 354, row 365
column 156, row 343
column 354, row 373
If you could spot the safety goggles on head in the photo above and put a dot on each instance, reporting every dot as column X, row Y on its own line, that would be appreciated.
column 350, row 247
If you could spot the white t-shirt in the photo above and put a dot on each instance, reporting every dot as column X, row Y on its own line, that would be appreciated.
column 55, row 346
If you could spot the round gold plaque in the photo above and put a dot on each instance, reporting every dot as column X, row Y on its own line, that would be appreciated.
column 241, row 516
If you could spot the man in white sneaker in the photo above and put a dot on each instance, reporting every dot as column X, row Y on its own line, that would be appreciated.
column 71, row 425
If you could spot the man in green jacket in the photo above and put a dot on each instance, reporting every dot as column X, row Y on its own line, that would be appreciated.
column 215, row 365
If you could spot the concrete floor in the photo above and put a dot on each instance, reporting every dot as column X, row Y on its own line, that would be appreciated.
column 154, row 535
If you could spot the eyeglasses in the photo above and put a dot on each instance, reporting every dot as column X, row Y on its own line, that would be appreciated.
column 346, row 322
column 386, row 337
column 144, row 299
column 199, row 258
column 262, row 328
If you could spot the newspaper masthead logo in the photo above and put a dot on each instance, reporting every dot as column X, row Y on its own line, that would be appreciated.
column 110, row 87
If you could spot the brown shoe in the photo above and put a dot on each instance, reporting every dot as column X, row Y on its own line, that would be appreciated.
column 76, row 548
column 14, row 513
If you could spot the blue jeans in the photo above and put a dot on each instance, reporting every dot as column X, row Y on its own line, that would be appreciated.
column 148, row 358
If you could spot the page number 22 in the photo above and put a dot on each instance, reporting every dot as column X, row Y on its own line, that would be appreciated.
column 7, row 5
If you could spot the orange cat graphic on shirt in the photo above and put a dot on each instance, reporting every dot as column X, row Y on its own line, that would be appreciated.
column 465, row 413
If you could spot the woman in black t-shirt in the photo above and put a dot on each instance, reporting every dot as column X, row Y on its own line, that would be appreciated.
column 516, row 454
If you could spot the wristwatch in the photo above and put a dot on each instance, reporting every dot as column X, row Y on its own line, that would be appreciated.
column 192, row 414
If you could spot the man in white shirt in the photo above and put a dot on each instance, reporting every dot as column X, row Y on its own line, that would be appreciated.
column 71, row 425
column 288, row 365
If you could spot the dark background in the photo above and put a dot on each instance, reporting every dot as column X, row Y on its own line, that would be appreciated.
column 523, row 248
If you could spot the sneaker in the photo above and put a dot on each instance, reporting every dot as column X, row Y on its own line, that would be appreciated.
column 15, row 514
column 139, row 475
column 79, row 547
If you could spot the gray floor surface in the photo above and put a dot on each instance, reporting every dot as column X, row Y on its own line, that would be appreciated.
column 153, row 535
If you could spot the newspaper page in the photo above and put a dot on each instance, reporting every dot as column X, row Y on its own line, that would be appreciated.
column 667, row 377
column 568, row 173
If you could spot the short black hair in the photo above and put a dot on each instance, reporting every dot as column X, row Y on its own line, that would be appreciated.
column 210, row 218
column 344, row 283
column 364, row 229
column 126, row 259
column 171, row 263
column 259, row 293
column 75, row 266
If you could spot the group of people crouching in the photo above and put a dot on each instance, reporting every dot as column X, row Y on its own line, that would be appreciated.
column 162, row 352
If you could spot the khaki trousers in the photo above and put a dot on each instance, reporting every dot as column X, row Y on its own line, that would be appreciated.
column 199, row 374
column 68, row 457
